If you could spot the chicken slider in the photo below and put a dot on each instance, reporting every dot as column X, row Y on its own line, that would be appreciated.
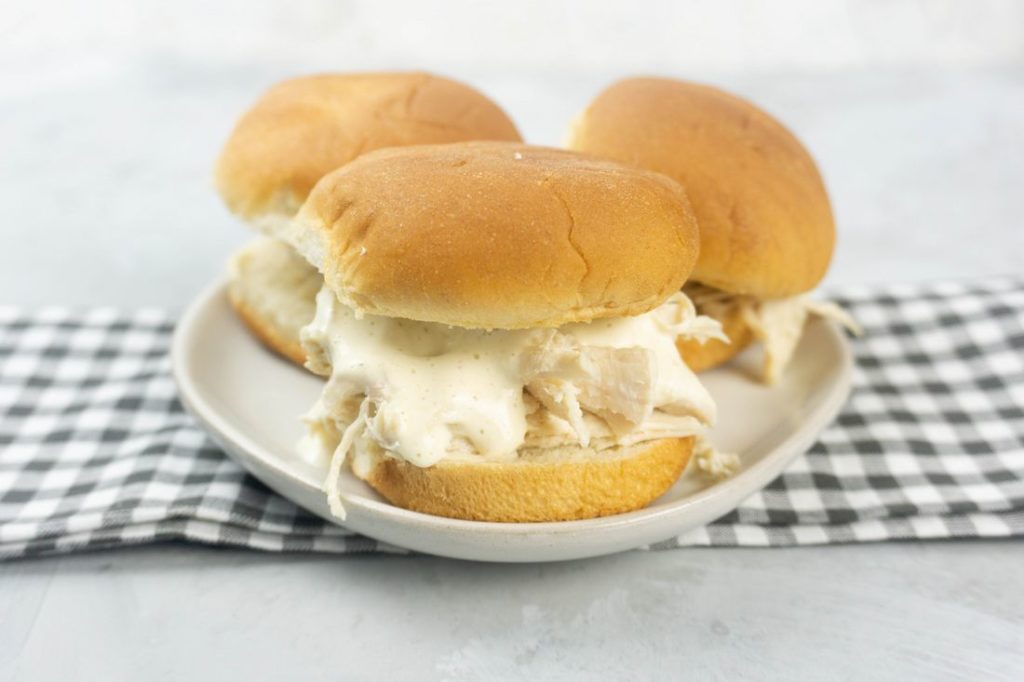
column 766, row 226
column 498, row 325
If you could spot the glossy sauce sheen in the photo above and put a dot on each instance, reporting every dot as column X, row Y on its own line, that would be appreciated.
column 433, row 391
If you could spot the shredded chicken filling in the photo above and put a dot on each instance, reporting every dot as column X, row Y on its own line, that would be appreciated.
column 777, row 323
column 423, row 392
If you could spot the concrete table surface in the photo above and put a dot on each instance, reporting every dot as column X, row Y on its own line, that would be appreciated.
column 105, row 182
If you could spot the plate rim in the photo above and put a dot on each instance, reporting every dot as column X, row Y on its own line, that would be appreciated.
column 732, row 491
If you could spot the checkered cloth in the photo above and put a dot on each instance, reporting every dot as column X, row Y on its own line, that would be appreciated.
column 95, row 450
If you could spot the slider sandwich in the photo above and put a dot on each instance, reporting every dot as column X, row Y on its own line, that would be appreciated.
column 299, row 131
column 498, row 327
column 766, row 226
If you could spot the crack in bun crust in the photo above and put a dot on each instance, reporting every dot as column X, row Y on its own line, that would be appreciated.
column 497, row 235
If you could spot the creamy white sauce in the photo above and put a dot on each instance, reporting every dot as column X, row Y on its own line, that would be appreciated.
column 423, row 392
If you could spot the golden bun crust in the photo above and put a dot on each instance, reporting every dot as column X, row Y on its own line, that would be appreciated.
column 700, row 357
column 497, row 235
column 542, row 485
column 766, row 226
column 275, row 338
column 303, row 128
column 273, row 290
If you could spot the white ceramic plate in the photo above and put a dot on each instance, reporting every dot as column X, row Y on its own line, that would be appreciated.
column 250, row 400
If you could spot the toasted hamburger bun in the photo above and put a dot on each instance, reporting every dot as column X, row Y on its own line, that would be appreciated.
column 541, row 485
column 304, row 128
column 273, row 290
column 766, row 225
column 496, row 235
column 300, row 130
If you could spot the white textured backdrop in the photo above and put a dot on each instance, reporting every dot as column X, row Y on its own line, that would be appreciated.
column 111, row 114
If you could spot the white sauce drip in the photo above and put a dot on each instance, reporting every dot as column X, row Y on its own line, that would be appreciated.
column 424, row 392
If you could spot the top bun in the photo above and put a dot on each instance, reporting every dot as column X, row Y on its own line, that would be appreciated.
column 496, row 235
column 766, row 227
column 304, row 128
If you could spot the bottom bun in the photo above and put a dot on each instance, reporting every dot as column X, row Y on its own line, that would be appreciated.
column 273, row 290
column 560, row 484
column 712, row 353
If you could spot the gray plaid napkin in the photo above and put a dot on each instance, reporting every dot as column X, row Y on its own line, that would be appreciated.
column 96, row 452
